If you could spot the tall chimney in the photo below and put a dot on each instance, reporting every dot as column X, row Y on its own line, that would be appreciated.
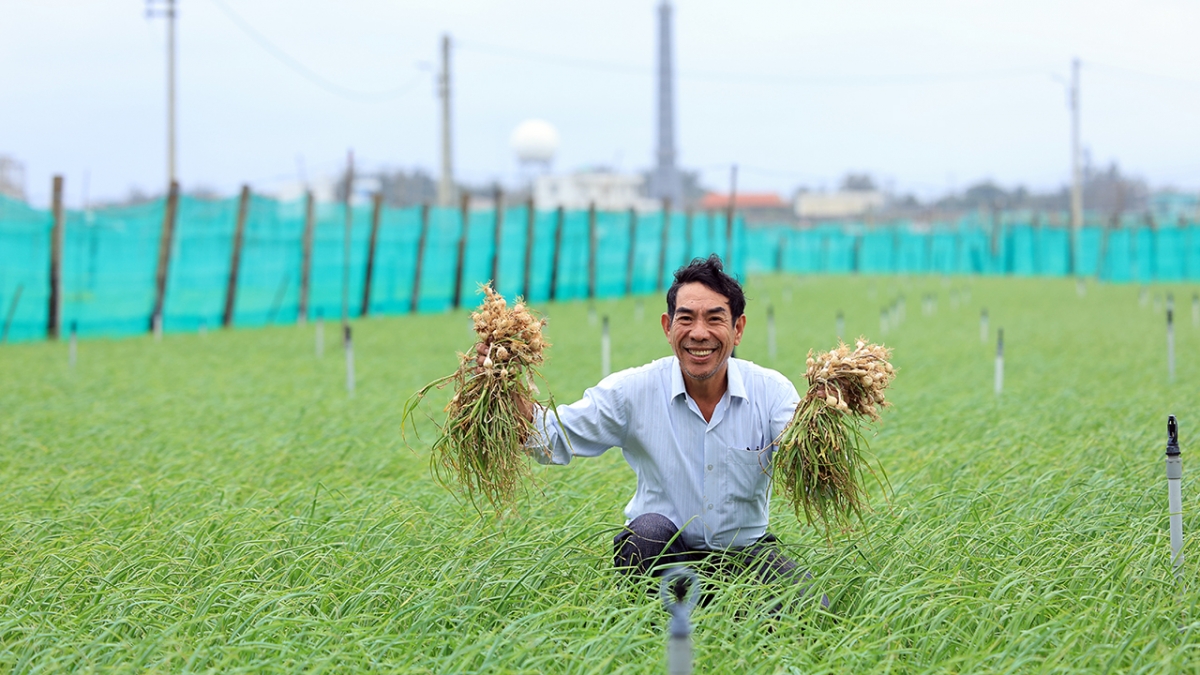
column 665, row 182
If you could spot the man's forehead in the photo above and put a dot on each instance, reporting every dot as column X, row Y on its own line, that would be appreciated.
column 695, row 297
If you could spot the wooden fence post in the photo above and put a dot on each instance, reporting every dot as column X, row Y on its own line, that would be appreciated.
column 53, row 318
column 236, row 257
column 421, row 239
column 376, row 213
column 666, row 238
column 530, row 215
column 592, row 241
column 306, row 258
column 559, row 226
column 629, row 266
column 465, row 208
column 164, row 254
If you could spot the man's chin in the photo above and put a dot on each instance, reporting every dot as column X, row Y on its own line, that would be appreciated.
column 701, row 377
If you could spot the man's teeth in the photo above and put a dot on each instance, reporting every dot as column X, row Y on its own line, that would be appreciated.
column 700, row 352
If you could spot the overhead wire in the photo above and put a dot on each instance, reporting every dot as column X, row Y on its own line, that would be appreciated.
column 306, row 72
column 807, row 79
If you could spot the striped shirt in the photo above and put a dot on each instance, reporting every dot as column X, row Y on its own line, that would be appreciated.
column 710, row 478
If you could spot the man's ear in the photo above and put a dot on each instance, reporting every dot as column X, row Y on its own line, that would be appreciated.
column 738, row 327
column 666, row 324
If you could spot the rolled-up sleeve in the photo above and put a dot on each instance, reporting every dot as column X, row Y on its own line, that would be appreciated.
column 585, row 428
column 783, row 406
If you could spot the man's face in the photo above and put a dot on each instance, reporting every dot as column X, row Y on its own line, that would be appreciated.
column 702, row 332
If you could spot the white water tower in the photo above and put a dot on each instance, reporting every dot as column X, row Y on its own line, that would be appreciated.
column 535, row 142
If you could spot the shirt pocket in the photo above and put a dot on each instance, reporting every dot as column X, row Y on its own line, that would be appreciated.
column 746, row 476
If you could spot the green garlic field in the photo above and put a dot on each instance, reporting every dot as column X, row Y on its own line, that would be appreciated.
column 218, row 503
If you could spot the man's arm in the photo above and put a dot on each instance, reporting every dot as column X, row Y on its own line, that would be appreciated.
column 586, row 428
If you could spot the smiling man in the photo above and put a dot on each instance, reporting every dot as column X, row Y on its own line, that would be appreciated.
column 697, row 428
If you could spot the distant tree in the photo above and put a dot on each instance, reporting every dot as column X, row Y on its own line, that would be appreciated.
column 858, row 182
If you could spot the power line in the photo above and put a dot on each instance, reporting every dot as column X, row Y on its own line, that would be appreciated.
column 301, row 69
column 753, row 78
column 1139, row 75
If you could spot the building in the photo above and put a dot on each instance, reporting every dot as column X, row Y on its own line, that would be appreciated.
column 1170, row 206
column 836, row 205
column 609, row 191
column 12, row 178
column 754, row 207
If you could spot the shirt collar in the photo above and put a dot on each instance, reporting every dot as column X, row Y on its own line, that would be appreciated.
column 736, row 386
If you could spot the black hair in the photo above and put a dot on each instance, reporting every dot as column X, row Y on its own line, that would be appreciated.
column 711, row 273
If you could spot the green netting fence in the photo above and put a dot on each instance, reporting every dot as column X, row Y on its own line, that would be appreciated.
column 110, row 257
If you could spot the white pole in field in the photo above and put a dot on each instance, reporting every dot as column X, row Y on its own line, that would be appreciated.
column 349, row 343
column 1196, row 310
column 883, row 321
column 591, row 314
column 605, row 350
column 1080, row 287
column 841, row 325
column 1142, row 296
column 639, row 310
column 983, row 326
column 679, row 594
column 320, row 334
column 787, row 294
column 71, row 349
column 158, row 327
column 1175, row 496
column 999, row 360
column 1170, row 345
column 772, row 345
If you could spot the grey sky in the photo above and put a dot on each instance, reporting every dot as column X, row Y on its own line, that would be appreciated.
column 925, row 95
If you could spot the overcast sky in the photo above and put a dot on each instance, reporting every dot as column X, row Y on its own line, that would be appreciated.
column 925, row 95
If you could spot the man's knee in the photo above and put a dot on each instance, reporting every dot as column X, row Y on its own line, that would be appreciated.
column 643, row 541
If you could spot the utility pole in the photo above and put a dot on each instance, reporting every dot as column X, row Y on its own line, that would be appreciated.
column 1076, row 170
column 446, row 183
column 168, row 12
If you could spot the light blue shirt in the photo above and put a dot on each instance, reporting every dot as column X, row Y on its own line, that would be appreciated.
column 710, row 478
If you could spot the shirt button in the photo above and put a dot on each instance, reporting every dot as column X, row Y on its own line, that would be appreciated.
column 710, row 507
column 710, row 467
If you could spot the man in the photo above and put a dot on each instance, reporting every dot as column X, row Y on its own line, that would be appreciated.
column 697, row 428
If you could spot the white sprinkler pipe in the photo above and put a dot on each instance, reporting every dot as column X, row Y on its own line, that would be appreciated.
column 1170, row 345
column 605, row 350
column 999, row 361
column 349, row 362
column 319, row 335
column 71, row 348
column 1175, row 496
column 772, row 345
column 679, row 590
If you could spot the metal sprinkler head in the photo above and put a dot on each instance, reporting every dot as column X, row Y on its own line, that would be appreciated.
column 680, row 590
column 1172, row 437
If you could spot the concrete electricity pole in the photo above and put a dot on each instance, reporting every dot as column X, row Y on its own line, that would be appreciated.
column 1076, row 169
column 169, row 14
column 446, row 184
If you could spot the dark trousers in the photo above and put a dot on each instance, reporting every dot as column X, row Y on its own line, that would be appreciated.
column 651, row 541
